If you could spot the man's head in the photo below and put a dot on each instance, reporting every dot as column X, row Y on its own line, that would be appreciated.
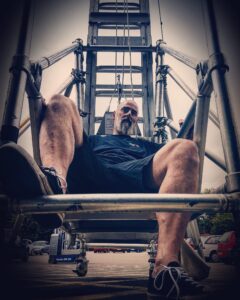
column 125, row 118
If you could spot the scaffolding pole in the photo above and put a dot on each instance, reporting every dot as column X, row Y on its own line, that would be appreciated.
column 130, row 202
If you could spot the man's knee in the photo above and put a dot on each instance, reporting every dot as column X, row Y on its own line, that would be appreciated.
column 60, row 104
column 186, row 152
column 180, row 153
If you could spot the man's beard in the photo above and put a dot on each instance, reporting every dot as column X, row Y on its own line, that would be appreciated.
column 126, row 126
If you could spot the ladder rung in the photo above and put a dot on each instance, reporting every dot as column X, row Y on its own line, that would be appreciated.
column 99, row 119
column 118, row 41
column 107, row 93
column 119, row 26
column 118, row 69
column 119, row 6
column 119, row 18
column 113, row 86
column 97, row 48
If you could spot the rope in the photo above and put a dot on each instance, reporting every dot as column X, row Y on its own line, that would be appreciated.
column 160, row 18
column 130, row 53
column 116, row 36
column 116, row 58
column 123, row 62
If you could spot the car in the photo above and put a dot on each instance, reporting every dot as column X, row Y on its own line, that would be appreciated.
column 27, row 243
column 39, row 247
column 210, row 247
column 228, row 251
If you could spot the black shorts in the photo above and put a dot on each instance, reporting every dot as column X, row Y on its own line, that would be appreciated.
column 88, row 174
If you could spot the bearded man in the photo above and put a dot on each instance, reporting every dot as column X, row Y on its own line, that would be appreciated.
column 73, row 162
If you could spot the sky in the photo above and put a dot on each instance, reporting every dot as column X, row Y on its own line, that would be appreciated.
column 57, row 23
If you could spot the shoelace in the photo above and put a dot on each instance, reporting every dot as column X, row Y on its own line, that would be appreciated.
column 169, row 270
column 62, row 184
column 187, row 278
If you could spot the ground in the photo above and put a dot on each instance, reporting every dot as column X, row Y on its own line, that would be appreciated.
column 110, row 276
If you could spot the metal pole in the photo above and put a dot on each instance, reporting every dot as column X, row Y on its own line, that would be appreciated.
column 78, row 66
column 159, row 86
column 18, row 79
column 48, row 61
column 35, row 109
column 199, row 136
column 79, row 73
column 68, row 82
column 200, row 130
column 217, row 160
column 159, row 101
column 186, row 59
column 188, row 122
column 190, row 93
column 167, row 105
column 181, row 84
column 130, row 202
column 227, row 129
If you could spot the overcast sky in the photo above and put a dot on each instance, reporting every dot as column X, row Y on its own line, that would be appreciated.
column 57, row 23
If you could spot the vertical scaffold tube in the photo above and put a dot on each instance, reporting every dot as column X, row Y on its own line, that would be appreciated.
column 200, row 130
column 79, row 72
column 18, row 79
column 228, row 132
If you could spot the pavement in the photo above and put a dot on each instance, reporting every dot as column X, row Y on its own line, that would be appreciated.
column 112, row 276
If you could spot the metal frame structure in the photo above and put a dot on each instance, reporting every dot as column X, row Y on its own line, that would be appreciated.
column 119, row 18
column 26, row 75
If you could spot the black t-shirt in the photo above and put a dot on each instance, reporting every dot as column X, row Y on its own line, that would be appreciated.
column 114, row 149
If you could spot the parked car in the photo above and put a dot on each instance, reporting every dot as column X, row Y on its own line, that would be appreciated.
column 39, row 247
column 27, row 243
column 210, row 247
column 227, row 247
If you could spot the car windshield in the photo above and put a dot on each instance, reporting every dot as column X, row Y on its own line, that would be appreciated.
column 212, row 240
column 40, row 243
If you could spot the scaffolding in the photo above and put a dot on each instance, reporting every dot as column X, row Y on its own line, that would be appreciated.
column 26, row 76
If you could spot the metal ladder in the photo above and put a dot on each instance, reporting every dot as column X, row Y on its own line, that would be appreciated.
column 124, row 15
column 24, row 77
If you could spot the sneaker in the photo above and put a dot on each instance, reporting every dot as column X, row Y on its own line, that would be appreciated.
column 21, row 176
column 171, row 283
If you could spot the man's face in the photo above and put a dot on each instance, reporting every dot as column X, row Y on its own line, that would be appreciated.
column 126, row 116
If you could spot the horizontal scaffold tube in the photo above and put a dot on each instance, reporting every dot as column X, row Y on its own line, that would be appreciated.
column 130, row 202
column 47, row 61
column 116, row 245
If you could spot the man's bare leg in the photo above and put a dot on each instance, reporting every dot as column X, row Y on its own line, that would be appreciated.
column 175, row 170
column 61, row 130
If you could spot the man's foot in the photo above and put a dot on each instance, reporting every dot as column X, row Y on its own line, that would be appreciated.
column 172, row 282
column 21, row 176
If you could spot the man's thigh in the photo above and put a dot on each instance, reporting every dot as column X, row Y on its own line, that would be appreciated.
column 86, row 174
column 156, row 170
column 176, row 150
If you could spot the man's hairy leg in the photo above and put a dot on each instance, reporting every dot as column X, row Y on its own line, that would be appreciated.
column 61, row 130
column 175, row 170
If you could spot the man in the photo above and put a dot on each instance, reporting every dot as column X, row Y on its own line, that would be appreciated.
column 75, row 163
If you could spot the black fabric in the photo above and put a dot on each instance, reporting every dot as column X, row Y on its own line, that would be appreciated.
column 53, row 179
column 110, row 164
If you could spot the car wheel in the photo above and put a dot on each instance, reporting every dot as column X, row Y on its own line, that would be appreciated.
column 33, row 252
column 214, row 257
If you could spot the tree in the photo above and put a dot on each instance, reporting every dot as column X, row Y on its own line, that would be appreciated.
column 222, row 223
column 216, row 223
